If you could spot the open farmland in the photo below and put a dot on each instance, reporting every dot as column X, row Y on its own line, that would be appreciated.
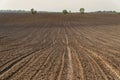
column 59, row 47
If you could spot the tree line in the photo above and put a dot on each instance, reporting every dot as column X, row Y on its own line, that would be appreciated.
column 82, row 11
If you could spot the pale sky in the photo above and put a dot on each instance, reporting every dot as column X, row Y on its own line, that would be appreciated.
column 59, row 5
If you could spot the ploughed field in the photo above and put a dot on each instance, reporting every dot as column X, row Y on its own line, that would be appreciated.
column 59, row 47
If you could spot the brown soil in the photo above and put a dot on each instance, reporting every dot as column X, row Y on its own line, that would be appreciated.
column 59, row 47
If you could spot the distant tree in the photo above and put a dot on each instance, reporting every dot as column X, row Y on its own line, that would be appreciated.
column 69, row 11
column 82, row 10
column 33, row 11
column 65, row 12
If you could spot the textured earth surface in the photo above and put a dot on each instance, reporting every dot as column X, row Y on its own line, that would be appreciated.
column 59, row 47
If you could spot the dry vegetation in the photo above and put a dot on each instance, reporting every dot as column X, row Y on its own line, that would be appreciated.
column 59, row 47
